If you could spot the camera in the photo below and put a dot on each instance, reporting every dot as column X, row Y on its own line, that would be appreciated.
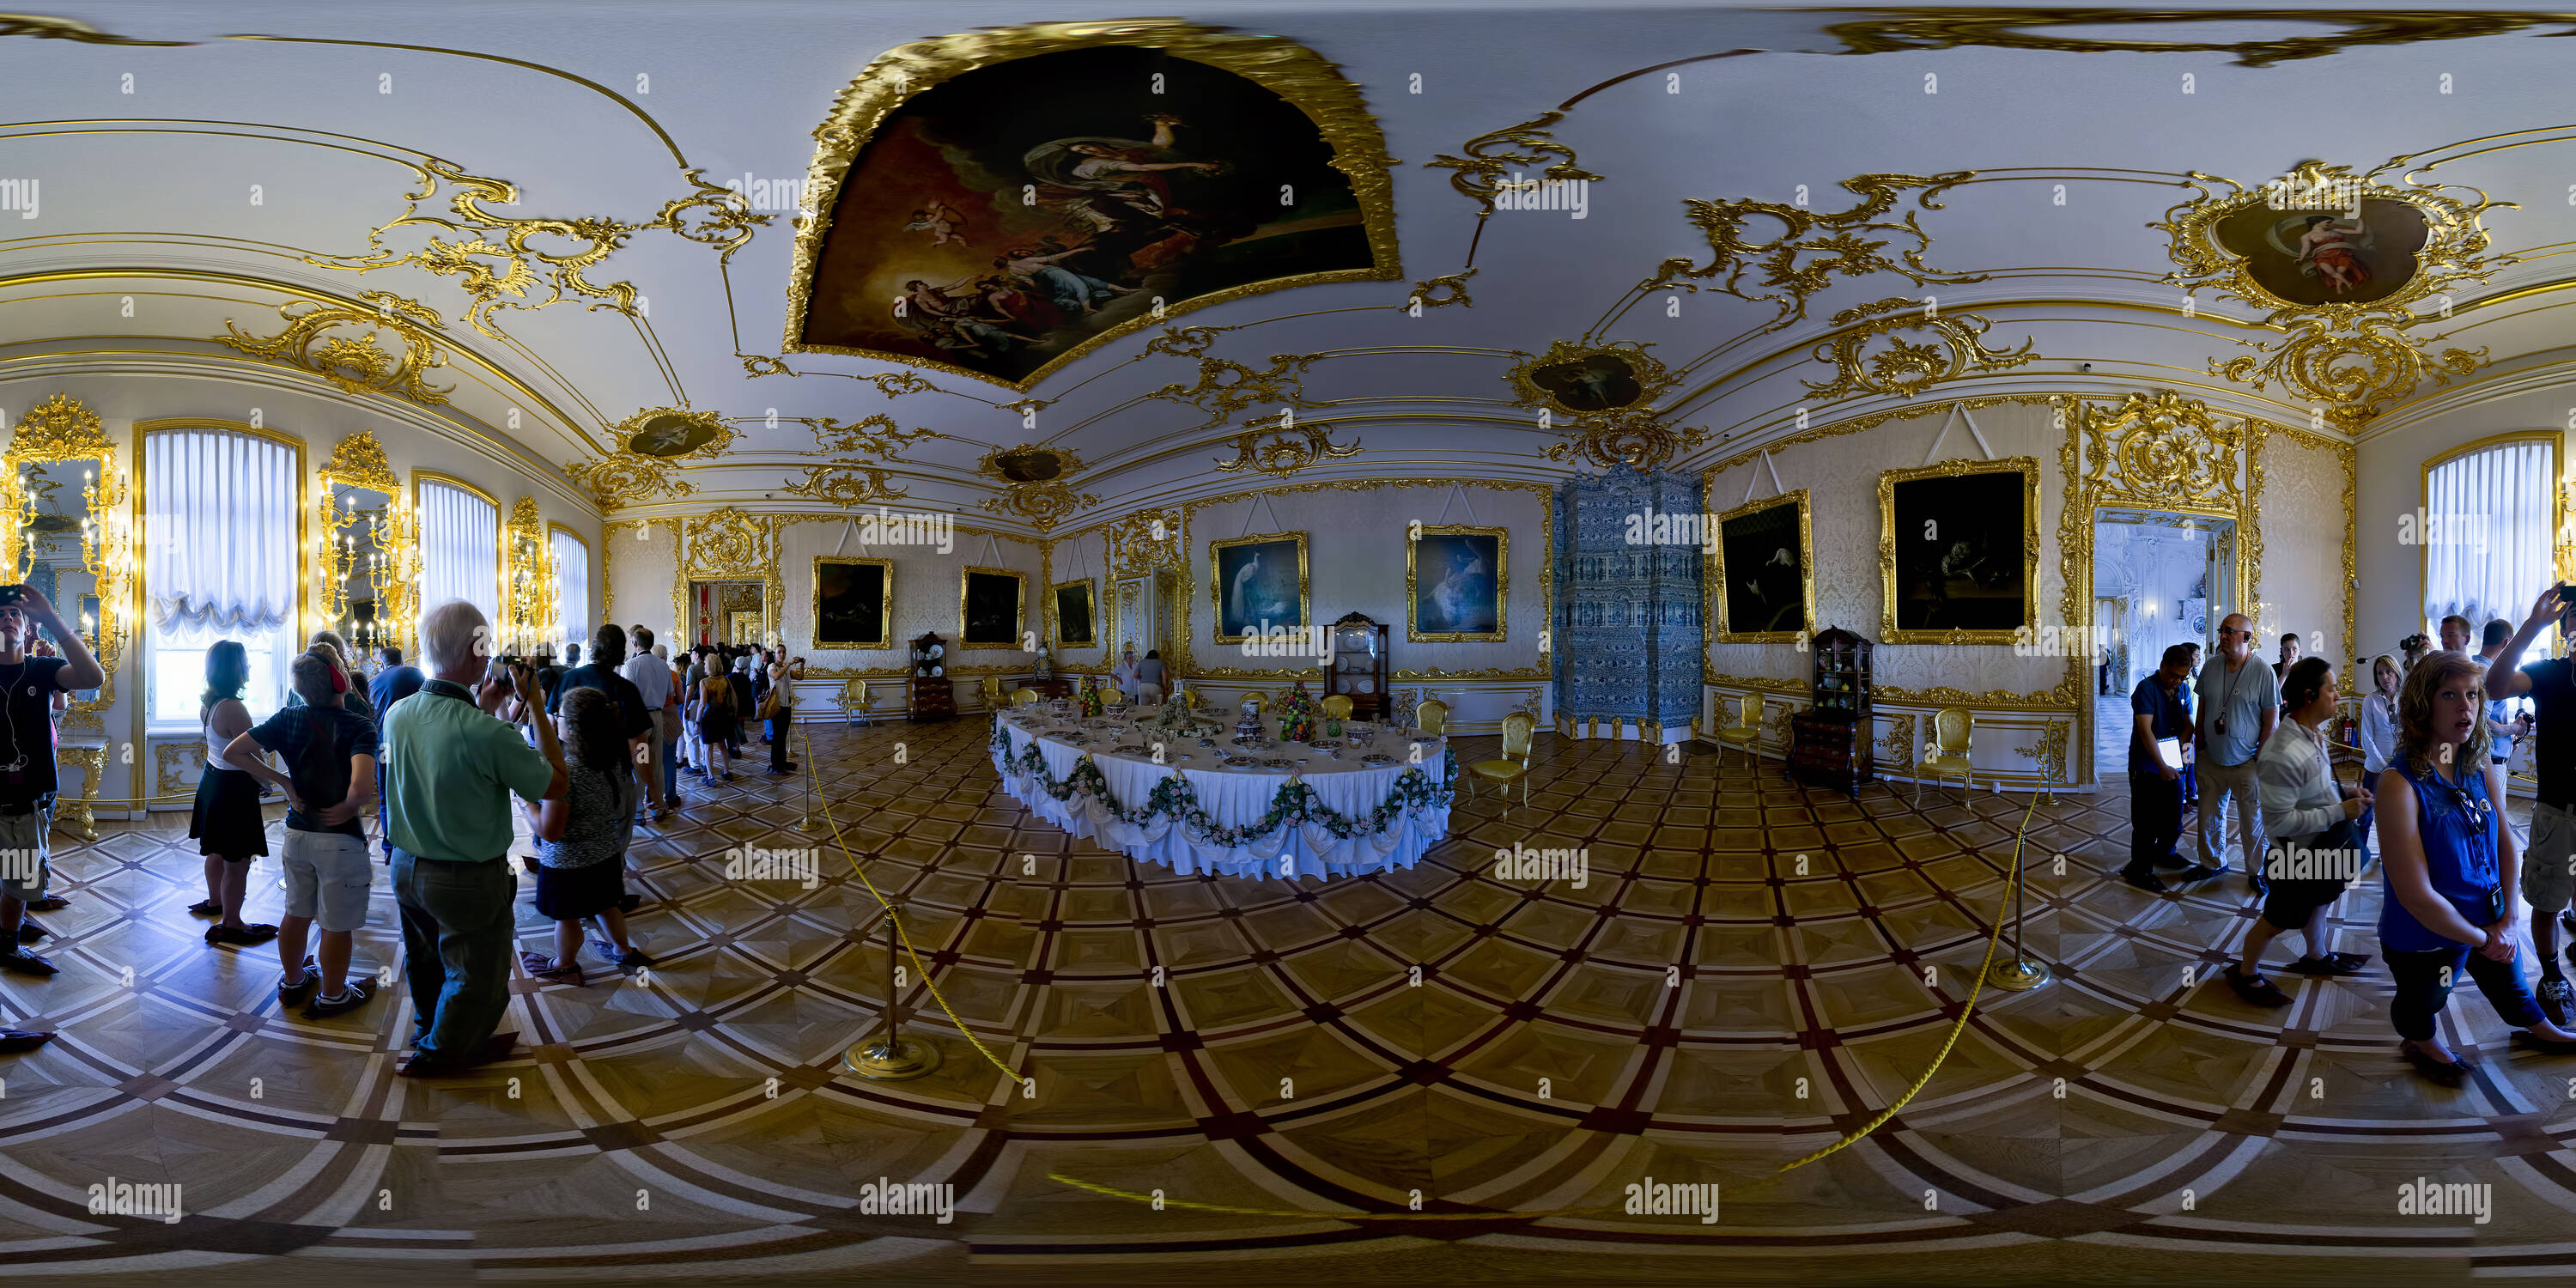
column 12, row 596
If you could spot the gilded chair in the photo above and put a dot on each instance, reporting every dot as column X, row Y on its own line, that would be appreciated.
column 1025, row 697
column 1951, row 728
column 1746, row 732
column 1432, row 717
column 1338, row 706
column 992, row 690
column 1517, row 730
column 854, row 703
column 1190, row 698
column 1113, row 697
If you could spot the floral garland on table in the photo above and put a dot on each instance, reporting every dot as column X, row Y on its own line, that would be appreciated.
column 1174, row 798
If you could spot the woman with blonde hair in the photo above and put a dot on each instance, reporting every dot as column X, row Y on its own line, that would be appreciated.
column 716, row 715
column 2447, row 863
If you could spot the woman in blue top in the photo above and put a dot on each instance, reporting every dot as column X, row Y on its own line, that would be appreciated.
column 2447, row 863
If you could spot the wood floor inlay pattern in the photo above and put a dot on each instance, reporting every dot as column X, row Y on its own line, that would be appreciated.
column 1750, row 971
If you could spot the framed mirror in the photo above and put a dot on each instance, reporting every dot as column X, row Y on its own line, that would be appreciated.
column 727, row 612
column 72, row 535
column 366, row 550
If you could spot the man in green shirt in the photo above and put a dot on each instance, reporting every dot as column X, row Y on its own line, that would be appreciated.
column 451, row 769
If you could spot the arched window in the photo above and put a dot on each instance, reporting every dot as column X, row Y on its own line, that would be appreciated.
column 2487, row 528
column 460, row 546
column 220, row 552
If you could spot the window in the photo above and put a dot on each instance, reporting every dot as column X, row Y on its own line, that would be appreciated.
column 572, row 589
column 2488, row 530
column 460, row 548
column 219, row 562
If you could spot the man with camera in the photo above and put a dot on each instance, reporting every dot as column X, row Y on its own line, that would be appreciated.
column 2549, row 862
column 447, row 806
column 27, row 780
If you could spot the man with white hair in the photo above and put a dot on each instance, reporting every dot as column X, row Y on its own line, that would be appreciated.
column 451, row 769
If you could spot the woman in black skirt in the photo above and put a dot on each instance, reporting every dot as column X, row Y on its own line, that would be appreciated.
column 714, row 706
column 581, row 840
column 227, row 825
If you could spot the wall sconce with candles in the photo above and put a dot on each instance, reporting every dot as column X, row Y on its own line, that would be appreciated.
column 530, row 575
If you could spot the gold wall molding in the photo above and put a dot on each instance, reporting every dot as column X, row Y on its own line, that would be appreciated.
column 1905, row 368
column 78, row 811
column 354, row 363
column 1226, row 387
column 167, row 766
column 1439, row 292
column 1309, row 82
column 2351, row 360
column 1764, row 683
column 1813, row 247
column 1899, row 743
column 1285, row 447
column 2062, row 698
column 1863, row 424
column 2050, row 753
column 1488, row 159
column 1902, row 31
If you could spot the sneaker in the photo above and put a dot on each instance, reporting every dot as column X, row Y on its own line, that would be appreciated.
column 354, row 994
column 301, row 991
column 2555, row 999
column 23, row 962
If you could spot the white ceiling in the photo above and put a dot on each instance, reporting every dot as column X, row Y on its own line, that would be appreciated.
column 155, row 199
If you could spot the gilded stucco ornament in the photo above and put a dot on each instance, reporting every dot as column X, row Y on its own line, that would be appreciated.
column 1635, row 439
column 1498, row 159
column 2349, row 351
column 846, row 483
column 359, row 461
column 1907, row 30
column 1144, row 542
column 1283, row 445
column 1226, row 387
column 1954, row 349
column 354, row 360
column 1812, row 248
column 877, row 436
column 626, row 479
column 1437, row 292
column 1043, row 504
column 1312, row 84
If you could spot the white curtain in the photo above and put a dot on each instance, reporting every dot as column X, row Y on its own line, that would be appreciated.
column 460, row 550
column 2486, row 532
column 572, row 589
column 219, row 539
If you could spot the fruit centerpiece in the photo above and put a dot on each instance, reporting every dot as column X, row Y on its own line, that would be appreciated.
column 1297, row 715
column 1090, row 701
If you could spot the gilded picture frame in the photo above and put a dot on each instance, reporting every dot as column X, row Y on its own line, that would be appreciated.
column 1726, row 606
column 1455, row 549
column 840, row 603
column 1921, row 587
column 1265, row 589
column 872, row 107
column 979, row 606
column 1088, row 635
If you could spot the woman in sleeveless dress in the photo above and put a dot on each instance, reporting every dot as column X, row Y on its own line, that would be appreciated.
column 715, row 712
column 227, row 825
column 2447, row 862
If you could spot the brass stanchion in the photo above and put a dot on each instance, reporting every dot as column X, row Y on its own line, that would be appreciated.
column 891, row 1057
column 2023, row 972
column 806, row 824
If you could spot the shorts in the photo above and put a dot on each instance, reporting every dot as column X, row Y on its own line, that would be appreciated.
column 25, row 850
column 2549, row 864
column 329, row 871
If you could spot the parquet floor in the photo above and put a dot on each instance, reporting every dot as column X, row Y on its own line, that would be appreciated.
column 1749, row 972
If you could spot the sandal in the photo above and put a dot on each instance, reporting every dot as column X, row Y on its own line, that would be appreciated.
column 540, row 966
column 2331, row 966
column 2255, row 988
column 2449, row 1075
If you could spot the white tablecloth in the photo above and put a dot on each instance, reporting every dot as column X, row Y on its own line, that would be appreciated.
column 1234, row 798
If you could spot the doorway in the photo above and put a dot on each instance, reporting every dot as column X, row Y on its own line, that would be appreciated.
column 728, row 612
column 2158, row 578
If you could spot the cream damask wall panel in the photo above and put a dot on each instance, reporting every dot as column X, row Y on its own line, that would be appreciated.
column 640, row 556
column 925, row 597
column 1840, row 474
column 2304, row 586
column 1355, row 550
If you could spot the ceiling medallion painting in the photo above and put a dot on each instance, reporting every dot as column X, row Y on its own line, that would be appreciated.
column 1023, row 195
column 1905, row 368
column 2341, row 261
column 1575, row 379
column 1029, row 463
column 674, row 433
column 353, row 359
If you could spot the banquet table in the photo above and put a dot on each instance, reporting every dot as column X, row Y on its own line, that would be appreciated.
column 1313, row 815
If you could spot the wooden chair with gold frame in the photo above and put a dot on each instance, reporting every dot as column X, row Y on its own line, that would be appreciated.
column 1747, row 731
column 1432, row 717
column 1953, row 728
column 991, row 687
column 854, row 703
column 1518, row 728
column 1338, row 706
column 1026, row 697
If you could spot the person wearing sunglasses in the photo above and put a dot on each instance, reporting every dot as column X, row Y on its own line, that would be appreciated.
column 2549, row 870
column 2446, row 863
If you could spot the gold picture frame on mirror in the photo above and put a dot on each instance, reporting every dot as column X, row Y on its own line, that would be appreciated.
column 1457, row 583
column 853, row 602
column 1248, row 585
column 1750, row 582
column 992, row 607
column 1958, row 552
